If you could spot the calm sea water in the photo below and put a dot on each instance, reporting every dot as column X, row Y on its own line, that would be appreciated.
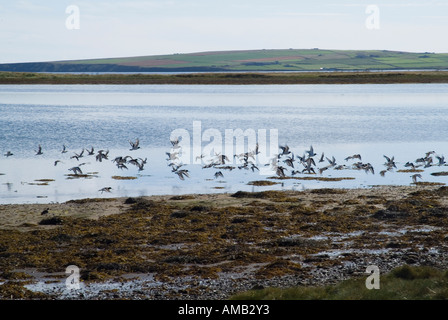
column 403, row 120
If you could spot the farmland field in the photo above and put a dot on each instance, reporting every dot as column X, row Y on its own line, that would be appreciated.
column 248, row 60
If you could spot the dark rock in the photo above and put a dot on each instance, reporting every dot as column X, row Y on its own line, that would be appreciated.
column 387, row 214
column 257, row 287
column 179, row 214
column 52, row 221
column 239, row 220
column 130, row 201
column 200, row 208
column 109, row 266
column 393, row 244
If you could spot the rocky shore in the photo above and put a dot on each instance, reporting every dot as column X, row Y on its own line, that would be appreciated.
column 212, row 246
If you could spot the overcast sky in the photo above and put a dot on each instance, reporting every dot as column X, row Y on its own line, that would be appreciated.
column 42, row 30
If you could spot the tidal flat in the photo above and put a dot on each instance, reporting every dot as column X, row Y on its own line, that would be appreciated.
column 213, row 246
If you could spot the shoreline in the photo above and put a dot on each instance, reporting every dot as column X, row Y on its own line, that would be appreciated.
column 228, row 78
column 211, row 246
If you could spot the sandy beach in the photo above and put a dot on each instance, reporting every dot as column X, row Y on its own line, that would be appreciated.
column 212, row 246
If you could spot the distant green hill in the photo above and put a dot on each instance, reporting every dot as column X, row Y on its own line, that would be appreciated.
column 248, row 60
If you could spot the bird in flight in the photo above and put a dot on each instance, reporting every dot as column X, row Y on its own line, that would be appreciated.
column 311, row 152
column 415, row 176
column 91, row 152
column 285, row 150
column 105, row 189
column 218, row 174
column 135, row 145
column 182, row 173
column 39, row 150
column 355, row 156
column 76, row 170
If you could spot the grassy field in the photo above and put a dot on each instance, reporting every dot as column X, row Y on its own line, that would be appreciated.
column 249, row 60
column 297, row 60
column 229, row 78
column 402, row 283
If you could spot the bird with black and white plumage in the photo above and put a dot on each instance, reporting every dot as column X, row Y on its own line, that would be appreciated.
column 332, row 161
column 355, row 156
column 285, row 150
column 368, row 167
column 309, row 162
column 311, row 152
column 281, row 171
column 428, row 163
column 142, row 163
column 218, row 174
column 172, row 155
column 321, row 170
column 182, row 174
column 415, row 177
column 290, row 161
column 390, row 162
column 39, row 150
column 134, row 162
column 105, row 189
column 120, row 159
column 91, row 152
column 221, row 158
column 410, row 165
column 76, row 170
column 175, row 143
column 308, row 168
column 441, row 160
column 429, row 153
column 135, row 145
column 122, row 166
column 322, row 158
column 78, row 155
column 101, row 154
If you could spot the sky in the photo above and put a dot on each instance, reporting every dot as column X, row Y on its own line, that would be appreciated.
column 55, row 30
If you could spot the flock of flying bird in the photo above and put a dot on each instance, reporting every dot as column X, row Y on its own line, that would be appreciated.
column 100, row 155
column 309, row 163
